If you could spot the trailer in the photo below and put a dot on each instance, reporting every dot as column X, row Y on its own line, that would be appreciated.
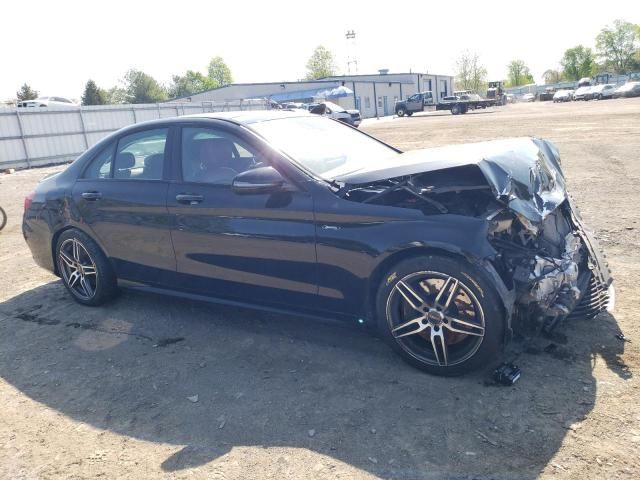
column 457, row 105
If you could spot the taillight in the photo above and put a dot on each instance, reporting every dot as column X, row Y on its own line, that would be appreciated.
column 27, row 201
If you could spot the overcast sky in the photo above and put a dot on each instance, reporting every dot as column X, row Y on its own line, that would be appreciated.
column 55, row 46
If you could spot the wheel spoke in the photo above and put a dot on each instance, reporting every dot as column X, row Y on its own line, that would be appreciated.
column 411, row 296
column 437, row 341
column 454, row 323
column 88, row 291
column 66, row 259
column 415, row 322
column 450, row 285
column 76, row 250
column 73, row 278
column 89, row 270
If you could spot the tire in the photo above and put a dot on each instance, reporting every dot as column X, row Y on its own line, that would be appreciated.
column 409, row 114
column 471, row 346
column 455, row 110
column 400, row 112
column 3, row 218
column 94, row 283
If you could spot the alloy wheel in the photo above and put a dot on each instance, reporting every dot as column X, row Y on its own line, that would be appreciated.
column 78, row 269
column 435, row 318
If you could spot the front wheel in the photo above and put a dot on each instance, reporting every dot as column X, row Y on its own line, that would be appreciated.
column 85, row 270
column 440, row 314
column 455, row 110
column 400, row 112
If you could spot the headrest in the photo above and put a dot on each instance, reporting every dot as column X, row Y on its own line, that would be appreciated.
column 125, row 160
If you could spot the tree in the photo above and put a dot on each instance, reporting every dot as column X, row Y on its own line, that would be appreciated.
column 219, row 73
column 93, row 95
column 189, row 83
column 470, row 74
column 551, row 76
column 578, row 62
column 26, row 93
column 618, row 45
column 321, row 64
column 115, row 95
column 518, row 74
column 140, row 87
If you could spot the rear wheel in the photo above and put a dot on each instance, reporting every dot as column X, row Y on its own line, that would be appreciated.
column 440, row 315
column 3, row 218
column 85, row 270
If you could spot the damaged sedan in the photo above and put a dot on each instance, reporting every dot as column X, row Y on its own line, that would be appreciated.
column 444, row 251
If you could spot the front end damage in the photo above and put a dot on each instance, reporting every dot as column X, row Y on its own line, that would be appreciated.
column 543, row 254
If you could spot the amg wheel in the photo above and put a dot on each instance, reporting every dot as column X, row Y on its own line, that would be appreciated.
column 400, row 112
column 440, row 314
column 84, row 269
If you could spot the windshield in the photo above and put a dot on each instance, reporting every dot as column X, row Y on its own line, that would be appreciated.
column 325, row 147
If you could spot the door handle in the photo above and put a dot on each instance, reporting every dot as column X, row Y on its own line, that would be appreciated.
column 189, row 198
column 91, row 195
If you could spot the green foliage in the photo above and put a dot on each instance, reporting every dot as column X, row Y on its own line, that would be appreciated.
column 140, row 87
column 578, row 62
column 617, row 46
column 93, row 95
column 470, row 74
column 26, row 93
column 518, row 74
column 551, row 76
column 115, row 95
column 219, row 73
column 189, row 83
column 321, row 64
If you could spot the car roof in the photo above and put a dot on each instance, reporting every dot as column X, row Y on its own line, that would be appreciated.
column 246, row 117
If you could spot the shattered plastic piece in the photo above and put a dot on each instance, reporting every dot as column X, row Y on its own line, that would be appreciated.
column 506, row 374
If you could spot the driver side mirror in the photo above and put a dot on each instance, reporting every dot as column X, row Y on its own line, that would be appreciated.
column 258, row 180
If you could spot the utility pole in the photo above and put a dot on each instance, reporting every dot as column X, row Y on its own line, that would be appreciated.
column 351, row 51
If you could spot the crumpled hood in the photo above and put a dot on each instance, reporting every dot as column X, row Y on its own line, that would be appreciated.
column 524, row 173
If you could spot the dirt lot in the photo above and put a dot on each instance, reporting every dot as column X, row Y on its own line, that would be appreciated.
column 104, row 392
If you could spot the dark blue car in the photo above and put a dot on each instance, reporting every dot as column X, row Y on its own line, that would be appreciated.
column 441, row 250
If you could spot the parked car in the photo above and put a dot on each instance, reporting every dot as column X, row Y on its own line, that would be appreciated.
column 582, row 93
column 57, row 102
column 563, row 96
column 600, row 92
column 335, row 111
column 584, row 82
column 629, row 89
column 440, row 249
column 528, row 97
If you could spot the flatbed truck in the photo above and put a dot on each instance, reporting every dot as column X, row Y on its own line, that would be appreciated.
column 424, row 101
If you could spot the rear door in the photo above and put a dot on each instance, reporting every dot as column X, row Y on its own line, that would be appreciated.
column 121, row 198
column 255, row 248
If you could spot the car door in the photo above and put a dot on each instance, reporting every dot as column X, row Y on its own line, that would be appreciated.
column 121, row 199
column 255, row 248
column 414, row 103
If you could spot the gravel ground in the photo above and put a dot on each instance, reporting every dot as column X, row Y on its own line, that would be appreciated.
column 152, row 387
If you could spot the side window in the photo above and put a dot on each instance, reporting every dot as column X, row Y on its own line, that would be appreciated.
column 214, row 156
column 100, row 166
column 140, row 156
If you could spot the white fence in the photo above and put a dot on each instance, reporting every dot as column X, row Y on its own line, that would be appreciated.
column 41, row 136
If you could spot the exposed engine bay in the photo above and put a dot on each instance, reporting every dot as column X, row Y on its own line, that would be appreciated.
column 542, row 252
